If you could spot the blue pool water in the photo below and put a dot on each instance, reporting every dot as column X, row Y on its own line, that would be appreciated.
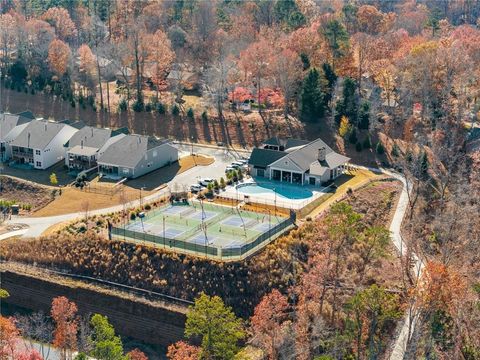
column 291, row 192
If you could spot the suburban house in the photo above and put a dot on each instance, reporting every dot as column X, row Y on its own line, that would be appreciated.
column 297, row 161
column 85, row 146
column 40, row 143
column 10, row 126
column 135, row 155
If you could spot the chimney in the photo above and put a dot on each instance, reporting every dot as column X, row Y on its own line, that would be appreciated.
column 45, row 126
column 81, row 144
column 322, row 152
column 28, row 140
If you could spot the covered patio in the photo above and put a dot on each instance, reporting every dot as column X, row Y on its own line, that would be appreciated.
column 291, row 177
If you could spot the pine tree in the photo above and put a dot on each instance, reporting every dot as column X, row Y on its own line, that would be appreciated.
column 364, row 116
column 312, row 98
column 348, row 105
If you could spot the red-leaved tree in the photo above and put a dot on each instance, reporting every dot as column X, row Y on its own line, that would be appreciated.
column 183, row 351
column 64, row 314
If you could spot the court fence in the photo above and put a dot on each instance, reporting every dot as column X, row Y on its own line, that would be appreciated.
column 209, row 251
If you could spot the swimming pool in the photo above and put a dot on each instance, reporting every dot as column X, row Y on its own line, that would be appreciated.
column 290, row 192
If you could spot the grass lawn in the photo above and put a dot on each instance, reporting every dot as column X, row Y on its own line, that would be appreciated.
column 76, row 200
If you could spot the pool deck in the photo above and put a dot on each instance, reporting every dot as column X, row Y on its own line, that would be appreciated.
column 270, row 198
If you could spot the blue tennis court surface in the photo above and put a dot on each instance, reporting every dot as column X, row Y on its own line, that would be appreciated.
column 137, row 226
column 199, row 215
column 171, row 233
column 176, row 210
column 201, row 240
column 233, row 221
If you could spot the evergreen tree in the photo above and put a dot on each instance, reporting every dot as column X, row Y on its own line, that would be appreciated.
column 106, row 345
column 305, row 61
column 380, row 149
column 364, row 116
column 287, row 12
column 348, row 105
column 217, row 326
column 331, row 78
column 352, row 137
column 337, row 39
column 312, row 98
column 367, row 143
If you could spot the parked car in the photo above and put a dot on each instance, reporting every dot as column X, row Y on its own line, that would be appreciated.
column 243, row 161
column 205, row 181
column 195, row 188
column 229, row 168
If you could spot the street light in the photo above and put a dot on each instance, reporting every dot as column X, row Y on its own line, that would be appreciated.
column 275, row 200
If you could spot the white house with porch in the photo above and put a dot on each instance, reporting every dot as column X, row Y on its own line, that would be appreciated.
column 297, row 161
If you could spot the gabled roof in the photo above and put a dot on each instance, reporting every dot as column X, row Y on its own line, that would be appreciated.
column 306, row 157
column 83, row 150
column 286, row 143
column 38, row 134
column 275, row 141
column 129, row 150
column 90, row 136
column 264, row 157
column 9, row 121
column 27, row 114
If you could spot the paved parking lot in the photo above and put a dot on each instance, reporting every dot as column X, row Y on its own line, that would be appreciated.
column 223, row 158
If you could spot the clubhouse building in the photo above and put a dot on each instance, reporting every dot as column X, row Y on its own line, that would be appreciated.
column 297, row 161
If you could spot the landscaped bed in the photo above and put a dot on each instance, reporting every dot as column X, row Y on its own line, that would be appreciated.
column 29, row 195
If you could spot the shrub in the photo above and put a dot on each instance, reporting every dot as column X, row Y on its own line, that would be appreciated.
column 216, row 186
column 380, row 149
column 148, row 207
column 352, row 137
column 138, row 106
column 148, row 107
column 190, row 113
column 367, row 144
column 175, row 110
column 122, row 105
column 204, row 116
column 395, row 150
column 72, row 103
column 222, row 183
column 358, row 146
column 133, row 216
column 160, row 108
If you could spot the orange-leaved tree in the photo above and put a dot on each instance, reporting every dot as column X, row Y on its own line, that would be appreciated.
column 268, row 323
column 183, row 351
column 64, row 315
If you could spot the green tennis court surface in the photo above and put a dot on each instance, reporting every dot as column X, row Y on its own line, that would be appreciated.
column 203, row 224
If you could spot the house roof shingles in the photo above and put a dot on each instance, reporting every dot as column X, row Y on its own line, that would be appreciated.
column 90, row 136
column 38, row 134
column 305, row 156
column 129, row 150
column 264, row 157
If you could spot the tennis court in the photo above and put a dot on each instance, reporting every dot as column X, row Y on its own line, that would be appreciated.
column 201, row 226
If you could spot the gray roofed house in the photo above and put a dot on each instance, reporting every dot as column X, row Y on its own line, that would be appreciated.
column 135, row 155
column 40, row 143
column 10, row 126
column 297, row 161
column 84, row 148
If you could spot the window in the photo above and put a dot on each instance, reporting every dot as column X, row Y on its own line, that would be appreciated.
column 260, row 172
column 30, row 160
column 39, row 164
column 125, row 171
column 37, row 152
column 311, row 180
